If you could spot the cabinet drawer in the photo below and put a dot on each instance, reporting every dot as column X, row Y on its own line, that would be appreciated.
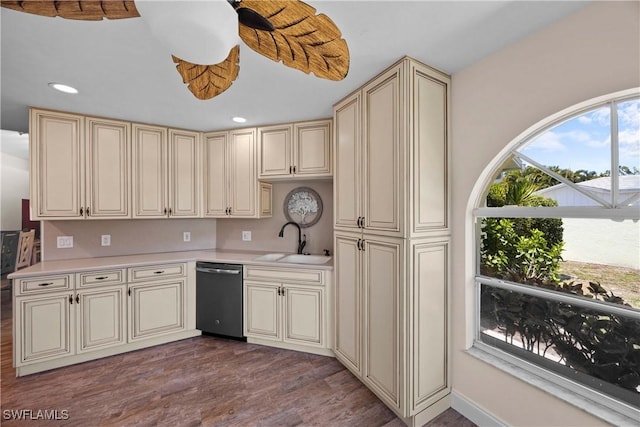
column 104, row 277
column 161, row 271
column 33, row 285
column 305, row 276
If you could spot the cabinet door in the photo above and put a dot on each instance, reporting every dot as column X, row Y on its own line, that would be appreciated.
column 303, row 315
column 242, row 173
column 383, row 277
column 348, row 300
column 101, row 318
column 383, row 154
column 149, row 171
column 156, row 309
column 347, row 181
column 184, row 173
column 215, row 181
column 45, row 325
column 107, row 168
column 312, row 149
column 275, row 151
column 57, row 165
column 262, row 310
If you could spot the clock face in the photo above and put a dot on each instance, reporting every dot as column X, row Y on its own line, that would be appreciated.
column 304, row 206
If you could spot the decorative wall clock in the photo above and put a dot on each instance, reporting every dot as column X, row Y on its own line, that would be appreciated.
column 304, row 206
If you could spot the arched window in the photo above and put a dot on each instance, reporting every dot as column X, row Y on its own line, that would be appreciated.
column 558, row 252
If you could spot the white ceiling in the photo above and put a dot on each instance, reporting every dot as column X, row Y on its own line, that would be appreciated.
column 122, row 72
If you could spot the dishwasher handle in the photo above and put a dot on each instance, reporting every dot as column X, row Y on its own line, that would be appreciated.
column 217, row 270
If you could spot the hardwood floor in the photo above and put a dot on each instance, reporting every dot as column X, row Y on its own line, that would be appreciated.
column 202, row 381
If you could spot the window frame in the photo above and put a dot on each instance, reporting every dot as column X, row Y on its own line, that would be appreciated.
column 586, row 398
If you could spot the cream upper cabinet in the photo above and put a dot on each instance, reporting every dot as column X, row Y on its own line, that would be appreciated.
column 149, row 171
column 108, row 165
column 391, row 173
column 347, row 188
column 231, row 187
column 56, row 142
column 184, row 173
column 298, row 150
column 165, row 172
column 391, row 225
column 80, row 166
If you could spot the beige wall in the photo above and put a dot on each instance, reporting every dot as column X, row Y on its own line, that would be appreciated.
column 14, row 186
column 264, row 232
column 127, row 237
column 590, row 53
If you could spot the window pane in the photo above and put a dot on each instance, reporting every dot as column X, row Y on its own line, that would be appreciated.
column 597, row 349
column 582, row 143
column 629, row 137
column 594, row 258
column 629, row 153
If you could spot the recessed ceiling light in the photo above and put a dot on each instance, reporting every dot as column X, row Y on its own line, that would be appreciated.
column 239, row 119
column 63, row 88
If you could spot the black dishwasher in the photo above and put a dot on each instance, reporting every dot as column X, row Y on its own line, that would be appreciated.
column 219, row 299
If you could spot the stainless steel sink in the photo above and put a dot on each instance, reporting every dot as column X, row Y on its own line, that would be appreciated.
column 305, row 259
column 269, row 257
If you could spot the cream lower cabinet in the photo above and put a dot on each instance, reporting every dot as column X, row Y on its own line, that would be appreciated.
column 44, row 327
column 69, row 318
column 383, row 285
column 287, row 308
column 101, row 318
column 157, row 300
column 156, row 308
column 50, row 325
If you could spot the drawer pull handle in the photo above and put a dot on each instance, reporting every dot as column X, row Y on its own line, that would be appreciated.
column 158, row 272
column 101, row 278
column 45, row 284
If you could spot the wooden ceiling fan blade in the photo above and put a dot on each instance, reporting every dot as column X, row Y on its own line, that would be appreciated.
column 84, row 10
column 207, row 81
column 300, row 39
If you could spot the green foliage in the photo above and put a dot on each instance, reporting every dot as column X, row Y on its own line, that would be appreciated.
column 528, row 251
column 515, row 254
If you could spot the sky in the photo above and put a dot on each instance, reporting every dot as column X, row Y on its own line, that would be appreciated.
column 584, row 142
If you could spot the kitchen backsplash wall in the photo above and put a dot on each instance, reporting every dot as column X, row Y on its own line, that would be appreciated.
column 127, row 237
column 264, row 232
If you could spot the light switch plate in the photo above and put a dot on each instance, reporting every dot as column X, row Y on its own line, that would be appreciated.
column 105, row 240
column 246, row 236
column 65, row 241
column 186, row 236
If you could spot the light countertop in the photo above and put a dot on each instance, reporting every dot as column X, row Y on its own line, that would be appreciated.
column 125, row 261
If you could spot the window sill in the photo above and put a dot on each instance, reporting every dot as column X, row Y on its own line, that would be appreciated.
column 590, row 401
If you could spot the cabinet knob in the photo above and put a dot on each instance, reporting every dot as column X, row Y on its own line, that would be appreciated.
column 77, row 299
column 81, row 211
column 88, row 213
column 70, row 299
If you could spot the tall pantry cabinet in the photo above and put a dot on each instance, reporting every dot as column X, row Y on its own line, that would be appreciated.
column 392, row 237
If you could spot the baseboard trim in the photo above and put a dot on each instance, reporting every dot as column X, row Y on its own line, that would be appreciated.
column 473, row 412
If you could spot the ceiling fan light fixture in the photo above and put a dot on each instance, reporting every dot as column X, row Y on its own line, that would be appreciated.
column 200, row 32
column 63, row 88
column 239, row 119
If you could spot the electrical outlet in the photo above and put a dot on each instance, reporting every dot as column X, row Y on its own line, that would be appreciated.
column 186, row 236
column 65, row 241
column 246, row 236
column 105, row 240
